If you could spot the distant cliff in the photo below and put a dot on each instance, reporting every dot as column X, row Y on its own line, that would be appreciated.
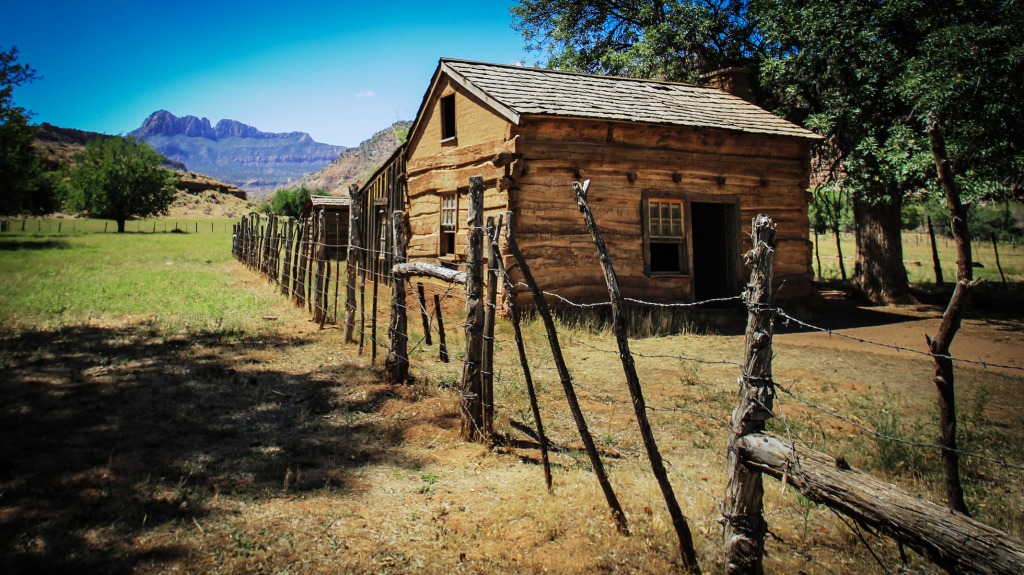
column 234, row 152
column 355, row 165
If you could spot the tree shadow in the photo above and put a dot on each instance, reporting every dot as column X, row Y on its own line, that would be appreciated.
column 111, row 432
column 7, row 245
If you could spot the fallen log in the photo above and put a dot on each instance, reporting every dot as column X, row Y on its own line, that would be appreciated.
column 951, row 540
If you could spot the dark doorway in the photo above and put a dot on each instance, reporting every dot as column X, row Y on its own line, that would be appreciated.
column 714, row 250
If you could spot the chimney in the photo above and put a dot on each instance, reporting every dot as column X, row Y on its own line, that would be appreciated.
column 735, row 81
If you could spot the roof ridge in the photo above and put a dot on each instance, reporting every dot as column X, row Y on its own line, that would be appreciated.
column 583, row 74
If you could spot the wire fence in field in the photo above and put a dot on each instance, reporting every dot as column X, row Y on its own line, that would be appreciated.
column 298, row 257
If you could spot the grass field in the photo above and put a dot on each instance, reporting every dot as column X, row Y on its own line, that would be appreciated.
column 164, row 410
column 917, row 257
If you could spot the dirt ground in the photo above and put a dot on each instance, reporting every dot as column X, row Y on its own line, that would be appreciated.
column 131, row 451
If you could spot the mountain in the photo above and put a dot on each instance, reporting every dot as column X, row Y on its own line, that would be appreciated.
column 355, row 165
column 59, row 146
column 234, row 152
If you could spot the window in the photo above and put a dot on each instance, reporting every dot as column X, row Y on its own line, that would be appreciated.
column 448, row 117
column 665, row 248
column 449, row 216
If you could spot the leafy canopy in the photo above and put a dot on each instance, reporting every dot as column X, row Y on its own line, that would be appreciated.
column 118, row 178
column 289, row 202
column 25, row 184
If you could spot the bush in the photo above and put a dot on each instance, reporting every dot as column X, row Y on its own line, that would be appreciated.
column 288, row 202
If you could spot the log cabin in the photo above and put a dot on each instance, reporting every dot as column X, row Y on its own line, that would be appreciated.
column 677, row 173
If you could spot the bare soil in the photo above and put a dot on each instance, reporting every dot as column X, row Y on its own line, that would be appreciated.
column 127, row 450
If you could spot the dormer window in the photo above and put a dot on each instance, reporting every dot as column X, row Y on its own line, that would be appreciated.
column 448, row 117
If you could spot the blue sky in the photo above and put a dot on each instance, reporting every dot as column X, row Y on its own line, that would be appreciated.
column 337, row 70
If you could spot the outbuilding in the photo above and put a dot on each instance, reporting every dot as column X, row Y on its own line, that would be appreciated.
column 677, row 173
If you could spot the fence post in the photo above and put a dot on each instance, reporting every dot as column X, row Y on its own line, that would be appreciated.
column 396, row 364
column 441, row 344
column 423, row 313
column 513, row 313
column 686, row 551
column 492, row 231
column 745, row 528
column 566, row 379
column 319, row 301
column 472, row 412
column 352, row 260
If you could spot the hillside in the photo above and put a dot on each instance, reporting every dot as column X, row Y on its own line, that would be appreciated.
column 236, row 153
column 354, row 165
column 197, row 195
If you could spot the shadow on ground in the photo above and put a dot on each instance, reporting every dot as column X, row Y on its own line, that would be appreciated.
column 110, row 432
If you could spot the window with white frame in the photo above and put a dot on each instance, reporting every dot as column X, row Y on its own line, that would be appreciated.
column 449, row 219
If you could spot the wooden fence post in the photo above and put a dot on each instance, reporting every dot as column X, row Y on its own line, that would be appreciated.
column 320, row 255
column 491, row 230
column 686, row 550
column 472, row 413
column 513, row 313
column 396, row 364
column 286, row 265
column 352, row 260
column 566, row 379
column 441, row 343
column 423, row 313
column 745, row 527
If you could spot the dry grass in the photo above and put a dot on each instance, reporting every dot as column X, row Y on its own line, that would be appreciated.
column 131, row 449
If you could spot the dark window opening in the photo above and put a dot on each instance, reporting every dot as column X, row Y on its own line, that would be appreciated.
column 666, row 258
column 664, row 236
column 448, row 117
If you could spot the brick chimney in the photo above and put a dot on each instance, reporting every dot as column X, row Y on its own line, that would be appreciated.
column 735, row 81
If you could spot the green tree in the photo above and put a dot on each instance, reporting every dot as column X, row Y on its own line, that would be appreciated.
column 289, row 202
column 118, row 178
column 25, row 184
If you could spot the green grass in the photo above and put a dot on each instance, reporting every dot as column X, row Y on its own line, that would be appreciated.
column 169, row 280
column 917, row 257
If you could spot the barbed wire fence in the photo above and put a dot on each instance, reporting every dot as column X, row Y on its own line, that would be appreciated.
column 296, row 255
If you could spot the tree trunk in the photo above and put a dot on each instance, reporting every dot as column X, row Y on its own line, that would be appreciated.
column 120, row 226
column 839, row 252
column 879, row 274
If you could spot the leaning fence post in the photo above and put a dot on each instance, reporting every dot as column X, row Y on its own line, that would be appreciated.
column 686, row 550
column 566, row 379
column 472, row 413
column 396, row 364
column 352, row 260
column 423, row 313
column 442, row 344
column 513, row 313
column 742, row 509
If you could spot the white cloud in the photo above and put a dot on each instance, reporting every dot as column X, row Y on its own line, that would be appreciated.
column 366, row 94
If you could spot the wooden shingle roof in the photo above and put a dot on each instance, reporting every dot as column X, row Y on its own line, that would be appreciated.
column 515, row 91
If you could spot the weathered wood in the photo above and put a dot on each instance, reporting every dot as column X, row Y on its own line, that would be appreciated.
column 940, row 344
column 936, row 264
column 337, row 266
column 319, row 253
column 513, row 312
column 442, row 344
column 686, row 550
column 352, row 261
column 742, row 508
column 951, row 540
column 565, row 377
column 396, row 364
column 471, row 401
column 421, row 269
column 375, row 268
column 424, row 317
column 462, row 155
column 492, row 231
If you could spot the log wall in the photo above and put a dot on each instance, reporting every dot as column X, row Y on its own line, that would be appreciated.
column 623, row 161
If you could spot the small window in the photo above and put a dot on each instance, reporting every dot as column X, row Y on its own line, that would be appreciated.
column 448, row 117
column 666, row 243
column 449, row 217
